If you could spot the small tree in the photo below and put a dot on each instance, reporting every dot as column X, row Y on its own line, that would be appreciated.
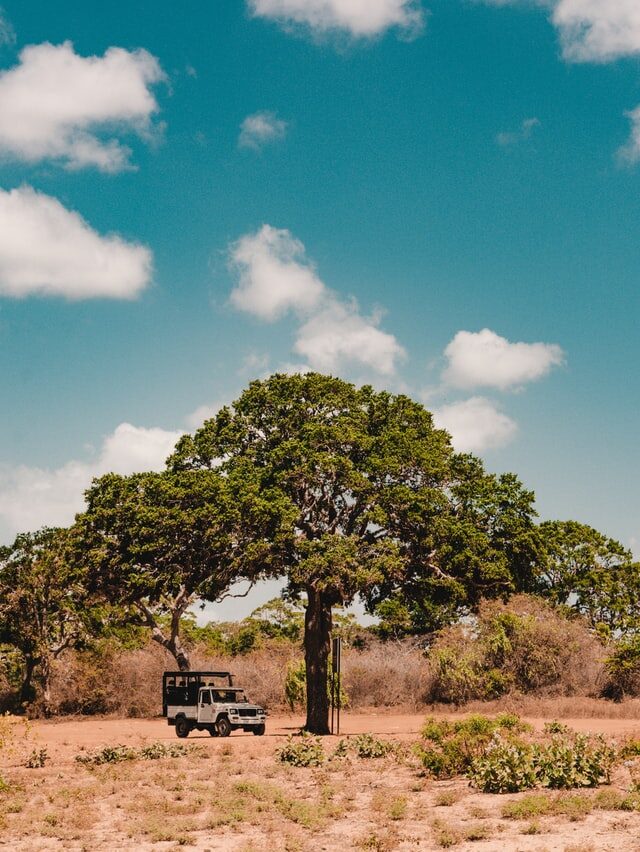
column 45, row 606
column 158, row 542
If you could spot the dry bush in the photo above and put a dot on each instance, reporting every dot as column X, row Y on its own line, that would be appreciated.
column 389, row 674
column 525, row 646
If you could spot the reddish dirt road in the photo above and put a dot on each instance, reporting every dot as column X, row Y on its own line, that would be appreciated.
column 77, row 733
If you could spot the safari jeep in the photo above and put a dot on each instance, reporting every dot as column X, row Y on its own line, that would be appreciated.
column 208, row 701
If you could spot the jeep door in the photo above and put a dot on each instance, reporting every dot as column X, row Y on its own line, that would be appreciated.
column 205, row 707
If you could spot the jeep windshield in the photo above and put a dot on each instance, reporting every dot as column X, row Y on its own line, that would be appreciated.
column 229, row 696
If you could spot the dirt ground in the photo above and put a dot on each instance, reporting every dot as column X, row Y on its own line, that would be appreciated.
column 232, row 794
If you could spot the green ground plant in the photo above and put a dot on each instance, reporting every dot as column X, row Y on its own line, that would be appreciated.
column 305, row 750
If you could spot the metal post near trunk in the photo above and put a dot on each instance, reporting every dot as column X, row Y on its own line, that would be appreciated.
column 335, row 685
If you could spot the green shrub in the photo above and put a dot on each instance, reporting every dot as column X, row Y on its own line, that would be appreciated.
column 450, row 748
column 120, row 753
column 509, row 766
column 623, row 669
column 301, row 751
column 578, row 761
column 505, row 767
column 368, row 746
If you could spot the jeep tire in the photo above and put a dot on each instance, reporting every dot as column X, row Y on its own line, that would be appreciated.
column 223, row 726
column 182, row 727
column 258, row 731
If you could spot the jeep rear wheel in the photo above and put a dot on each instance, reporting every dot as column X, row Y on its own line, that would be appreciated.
column 224, row 726
column 258, row 731
column 182, row 727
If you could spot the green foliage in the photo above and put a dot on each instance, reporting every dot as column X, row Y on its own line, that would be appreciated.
column 45, row 605
column 631, row 748
column 304, row 750
column 564, row 762
column 623, row 668
column 295, row 685
column 591, row 573
column 450, row 748
column 121, row 753
column 368, row 746
column 573, row 761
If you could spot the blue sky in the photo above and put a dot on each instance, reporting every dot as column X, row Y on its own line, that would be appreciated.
column 395, row 185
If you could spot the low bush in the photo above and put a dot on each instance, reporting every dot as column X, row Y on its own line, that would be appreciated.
column 37, row 759
column 120, row 753
column 450, row 748
column 564, row 762
column 623, row 669
column 304, row 750
column 368, row 746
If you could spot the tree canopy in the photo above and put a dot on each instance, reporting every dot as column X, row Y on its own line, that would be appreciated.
column 593, row 574
column 157, row 542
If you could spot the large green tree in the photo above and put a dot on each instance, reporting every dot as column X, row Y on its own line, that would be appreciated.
column 158, row 542
column 377, row 501
column 45, row 606
column 593, row 574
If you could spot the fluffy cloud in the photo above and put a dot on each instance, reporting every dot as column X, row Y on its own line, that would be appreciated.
column 57, row 105
column 275, row 277
column 475, row 425
column 32, row 497
column 486, row 359
column 521, row 135
column 339, row 333
column 49, row 250
column 356, row 18
column 259, row 129
column 598, row 30
column 591, row 30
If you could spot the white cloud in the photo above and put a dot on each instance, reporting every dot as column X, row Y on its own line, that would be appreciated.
column 7, row 33
column 356, row 18
column 57, row 105
column 49, row 250
column 32, row 497
column 486, row 359
column 259, row 129
column 630, row 152
column 591, row 30
column 475, row 425
column 521, row 135
column 339, row 333
column 275, row 277
column 203, row 412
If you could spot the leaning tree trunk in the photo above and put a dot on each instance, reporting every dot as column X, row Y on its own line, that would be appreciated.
column 174, row 646
column 317, row 646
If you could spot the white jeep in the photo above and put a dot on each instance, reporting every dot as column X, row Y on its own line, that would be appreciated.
column 188, row 705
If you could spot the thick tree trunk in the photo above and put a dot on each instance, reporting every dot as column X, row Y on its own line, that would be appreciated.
column 46, row 686
column 27, row 692
column 317, row 647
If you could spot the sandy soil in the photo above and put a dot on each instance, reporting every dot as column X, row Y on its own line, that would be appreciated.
column 234, row 795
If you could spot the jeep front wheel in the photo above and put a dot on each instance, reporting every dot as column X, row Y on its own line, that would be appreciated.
column 182, row 727
column 224, row 726
column 258, row 731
